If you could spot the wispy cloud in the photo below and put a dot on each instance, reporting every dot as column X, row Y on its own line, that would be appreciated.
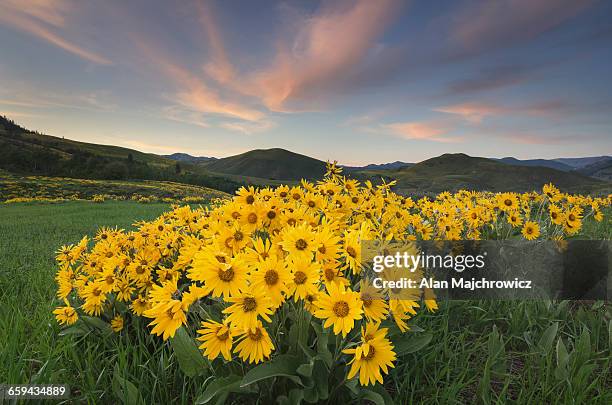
column 218, row 67
column 473, row 112
column 42, row 18
column 487, row 25
column 424, row 130
column 328, row 44
column 476, row 112
column 492, row 79
column 248, row 128
column 190, row 91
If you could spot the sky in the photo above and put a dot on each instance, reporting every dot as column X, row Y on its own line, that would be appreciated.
column 354, row 81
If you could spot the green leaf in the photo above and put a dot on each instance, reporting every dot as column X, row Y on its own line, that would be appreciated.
column 124, row 389
column 284, row 365
column 322, row 348
column 610, row 335
column 85, row 325
column 561, row 372
column 220, row 386
column 373, row 397
column 320, row 375
column 190, row 359
column 380, row 390
column 78, row 329
column 583, row 347
column 305, row 369
column 412, row 343
column 96, row 323
column 295, row 397
column 546, row 341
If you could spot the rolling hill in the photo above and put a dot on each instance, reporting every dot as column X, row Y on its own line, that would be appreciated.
column 274, row 164
column 601, row 169
column 32, row 153
column 553, row 164
column 460, row 171
column 578, row 163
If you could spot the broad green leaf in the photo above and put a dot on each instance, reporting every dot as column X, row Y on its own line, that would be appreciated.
column 311, row 395
column 380, row 390
column 295, row 397
column 582, row 350
column 78, row 329
column 97, row 324
column 320, row 375
column 124, row 389
column 307, row 350
column 561, row 372
column 219, row 386
column 322, row 348
column 284, row 365
column 373, row 397
column 190, row 359
column 412, row 343
column 548, row 337
column 305, row 369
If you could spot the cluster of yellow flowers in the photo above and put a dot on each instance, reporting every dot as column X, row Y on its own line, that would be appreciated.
column 15, row 188
column 100, row 198
column 268, row 251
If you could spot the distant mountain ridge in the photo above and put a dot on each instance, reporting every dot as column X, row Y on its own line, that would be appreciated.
column 382, row 166
column 185, row 157
column 553, row 164
column 582, row 161
column 26, row 152
column 453, row 171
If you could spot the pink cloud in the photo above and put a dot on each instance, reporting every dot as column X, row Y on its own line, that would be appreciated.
column 191, row 91
column 327, row 46
column 40, row 18
column 472, row 112
column 477, row 112
column 428, row 131
column 219, row 68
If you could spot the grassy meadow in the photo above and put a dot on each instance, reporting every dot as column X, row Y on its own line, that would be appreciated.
column 487, row 352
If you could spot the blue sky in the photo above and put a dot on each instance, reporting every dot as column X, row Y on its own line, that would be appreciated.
column 356, row 81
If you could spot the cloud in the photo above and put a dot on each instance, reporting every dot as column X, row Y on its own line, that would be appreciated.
column 488, row 25
column 327, row 46
column 476, row 112
column 491, row 79
column 219, row 68
column 39, row 18
column 427, row 131
column 248, row 128
column 472, row 112
column 190, row 91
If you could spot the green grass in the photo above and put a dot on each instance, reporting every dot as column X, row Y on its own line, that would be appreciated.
column 30, row 348
column 488, row 352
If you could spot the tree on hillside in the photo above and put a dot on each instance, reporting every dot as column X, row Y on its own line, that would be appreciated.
column 177, row 168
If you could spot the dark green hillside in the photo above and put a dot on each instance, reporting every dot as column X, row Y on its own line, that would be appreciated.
column 459, row 171
column 553, row 164
column 599, row 170
column 31, row 153
column 274, row 164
